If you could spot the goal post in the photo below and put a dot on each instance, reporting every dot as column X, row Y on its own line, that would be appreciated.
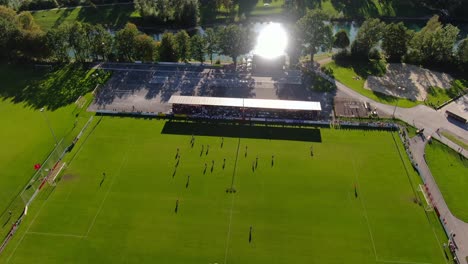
column 428, row 207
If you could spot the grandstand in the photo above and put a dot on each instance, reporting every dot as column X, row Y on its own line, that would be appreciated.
column 242, row 108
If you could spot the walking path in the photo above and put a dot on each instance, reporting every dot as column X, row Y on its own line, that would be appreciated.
column 431, row 120
column 453, row 225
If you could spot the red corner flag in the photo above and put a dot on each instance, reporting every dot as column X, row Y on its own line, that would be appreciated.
column 37, row 166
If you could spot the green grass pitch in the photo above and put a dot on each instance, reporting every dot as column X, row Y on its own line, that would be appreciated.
column 302, row 209
column 450, row 170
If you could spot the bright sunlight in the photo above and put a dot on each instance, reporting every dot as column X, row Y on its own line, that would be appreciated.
column 272, row 41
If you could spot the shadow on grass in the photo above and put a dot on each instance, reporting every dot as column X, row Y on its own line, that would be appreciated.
column 37, row 88
column 113, row 16
column 357, row 8
column 63, row 16
column 361, row 67
column 242, row 131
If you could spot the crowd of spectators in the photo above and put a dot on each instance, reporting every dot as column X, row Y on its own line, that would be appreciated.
column 226, row 112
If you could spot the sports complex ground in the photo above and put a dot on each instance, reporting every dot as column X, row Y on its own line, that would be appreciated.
column 352, row 201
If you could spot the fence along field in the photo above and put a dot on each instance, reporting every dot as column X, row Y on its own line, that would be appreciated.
column 116, row 199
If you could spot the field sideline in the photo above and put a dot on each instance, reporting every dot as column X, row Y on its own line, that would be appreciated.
column 351, row 202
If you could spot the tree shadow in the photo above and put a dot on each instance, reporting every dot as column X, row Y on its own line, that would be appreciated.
column 51, row 90
column 356, row 8
column 113, row 16
column 63, row 16
column 242, row 131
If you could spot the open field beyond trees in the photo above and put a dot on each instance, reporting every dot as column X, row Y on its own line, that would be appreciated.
column 116, row 201
column 450, row 170
column 116, row 16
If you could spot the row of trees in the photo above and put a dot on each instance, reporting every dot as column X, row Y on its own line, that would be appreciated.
column 182, row 12
column 434, row 44
column 187, row 12
column 21, row 37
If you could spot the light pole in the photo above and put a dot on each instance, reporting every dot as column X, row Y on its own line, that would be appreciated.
column 48, row 124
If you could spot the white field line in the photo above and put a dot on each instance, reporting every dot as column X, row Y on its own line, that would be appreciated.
column 60, row 170
column 54, row 234
column 365, row 210
column 231, row 211
column 27, row 230
column 229, row 230
column 124, row 161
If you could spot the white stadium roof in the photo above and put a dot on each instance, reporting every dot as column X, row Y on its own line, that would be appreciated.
column 199, row 100
column 249, row 103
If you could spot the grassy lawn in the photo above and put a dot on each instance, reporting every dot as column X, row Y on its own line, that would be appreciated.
column 347, row 76
column 112, row 16
column 437, row 96
column 372, row 8
column 300, row 209
column 450, row 171
column 25, row 136
column 455, row 139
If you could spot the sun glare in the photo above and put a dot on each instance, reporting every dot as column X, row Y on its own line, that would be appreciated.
column 272, row 41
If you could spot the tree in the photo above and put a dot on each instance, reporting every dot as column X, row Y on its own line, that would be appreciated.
column 32, row 44
column 26, row 21
column 57, row 43
column 31, row 40
column 294, row 49
column 125, row 41
column 462, row 55
column 8, row 30
column 235, row 41
column 159, row 9
column 341, row 40
column 208, row 10
column 316, row 34
column 77, row 38
column 211, row 40
column 167, row 49
column 145, row 48
column 101, row 42
column 182, row 44
column 246, row 7
column 368, row 36
column 184, row 12
column 434, row 43
column 187, row 12
column 198, row 48
column 395, row 40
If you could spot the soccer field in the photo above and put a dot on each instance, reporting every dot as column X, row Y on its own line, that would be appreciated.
column 351, row 202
